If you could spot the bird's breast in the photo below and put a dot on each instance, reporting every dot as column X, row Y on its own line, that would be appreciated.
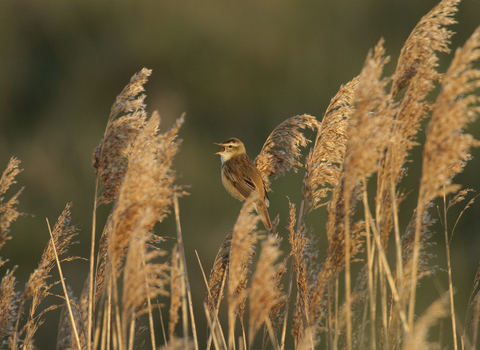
column 230, row 187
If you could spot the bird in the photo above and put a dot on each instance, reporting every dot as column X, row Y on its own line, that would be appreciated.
column 241, row 177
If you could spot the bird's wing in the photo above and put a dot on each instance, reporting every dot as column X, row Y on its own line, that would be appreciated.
column 239, row 179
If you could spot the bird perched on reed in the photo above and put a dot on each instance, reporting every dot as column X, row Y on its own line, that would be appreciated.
column 241, row 177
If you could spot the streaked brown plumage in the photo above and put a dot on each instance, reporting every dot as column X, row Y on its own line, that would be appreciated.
column 241, row 177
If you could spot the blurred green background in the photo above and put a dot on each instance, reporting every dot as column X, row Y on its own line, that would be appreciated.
column 237, row 68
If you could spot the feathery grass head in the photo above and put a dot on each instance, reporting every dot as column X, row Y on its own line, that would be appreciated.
column 281, row 151
column 265, row 293
column 63, row 233
column 65, row 335
column 473, row 309
column 367, row 133
column 416, row 70
column 102, row 264
column 148, row 183
column 37, row 287
column 428, row 36
column 418, row 339
column 8, row 212
column 369, row 125
column 423, row 268
column 110, row 157
column 9, row 298
column 308, row 340
column 143, row 277
column 242, row 247
column 218, row 273
column 325, row 159
column 8, row 304
column 8, row 176
column 447, row 146
column 305, row 266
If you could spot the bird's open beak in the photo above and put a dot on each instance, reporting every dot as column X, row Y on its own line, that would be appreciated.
column 219, row 144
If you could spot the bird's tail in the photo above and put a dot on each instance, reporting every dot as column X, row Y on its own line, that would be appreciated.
column 262, row 210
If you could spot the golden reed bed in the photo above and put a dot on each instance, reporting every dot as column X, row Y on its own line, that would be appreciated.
column 362, row 141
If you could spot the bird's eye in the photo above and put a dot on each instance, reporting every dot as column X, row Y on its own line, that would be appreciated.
column 230, row 146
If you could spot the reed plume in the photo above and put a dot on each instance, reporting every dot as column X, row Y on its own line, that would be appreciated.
column 265, row 293
column 148, row 184
column 472, row 316
column 8, row 304
column 367, row 131
column 143, row 277
column 65, row 335
column 110, row 159
column 126, row 121
column 416, row 71
column 218, row 274
column 367, row 135
column 242, row 248
column 8, row 211
column 417, row 56
column 305, row 267
column 143, row 199
column 134, row 164
column 324, row 162
column 447, row 146
column 418, row 339
column 281, row 150
column 37, row 287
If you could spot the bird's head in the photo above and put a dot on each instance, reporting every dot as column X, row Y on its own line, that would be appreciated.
column 230, row 148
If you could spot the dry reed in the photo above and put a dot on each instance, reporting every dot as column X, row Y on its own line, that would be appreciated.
column 9, row 298
column 176, row 293
column 110, row 157
column 281, row 150
column 143, row 200
column 134, row 164
column 447, row 146
column 218, row 273
column 242, row 247
column 418, row 339
column 38, row 286
column 8, row 211
column 8, row 304
column 325, row 159
column 265, row 293
column 472, row 315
